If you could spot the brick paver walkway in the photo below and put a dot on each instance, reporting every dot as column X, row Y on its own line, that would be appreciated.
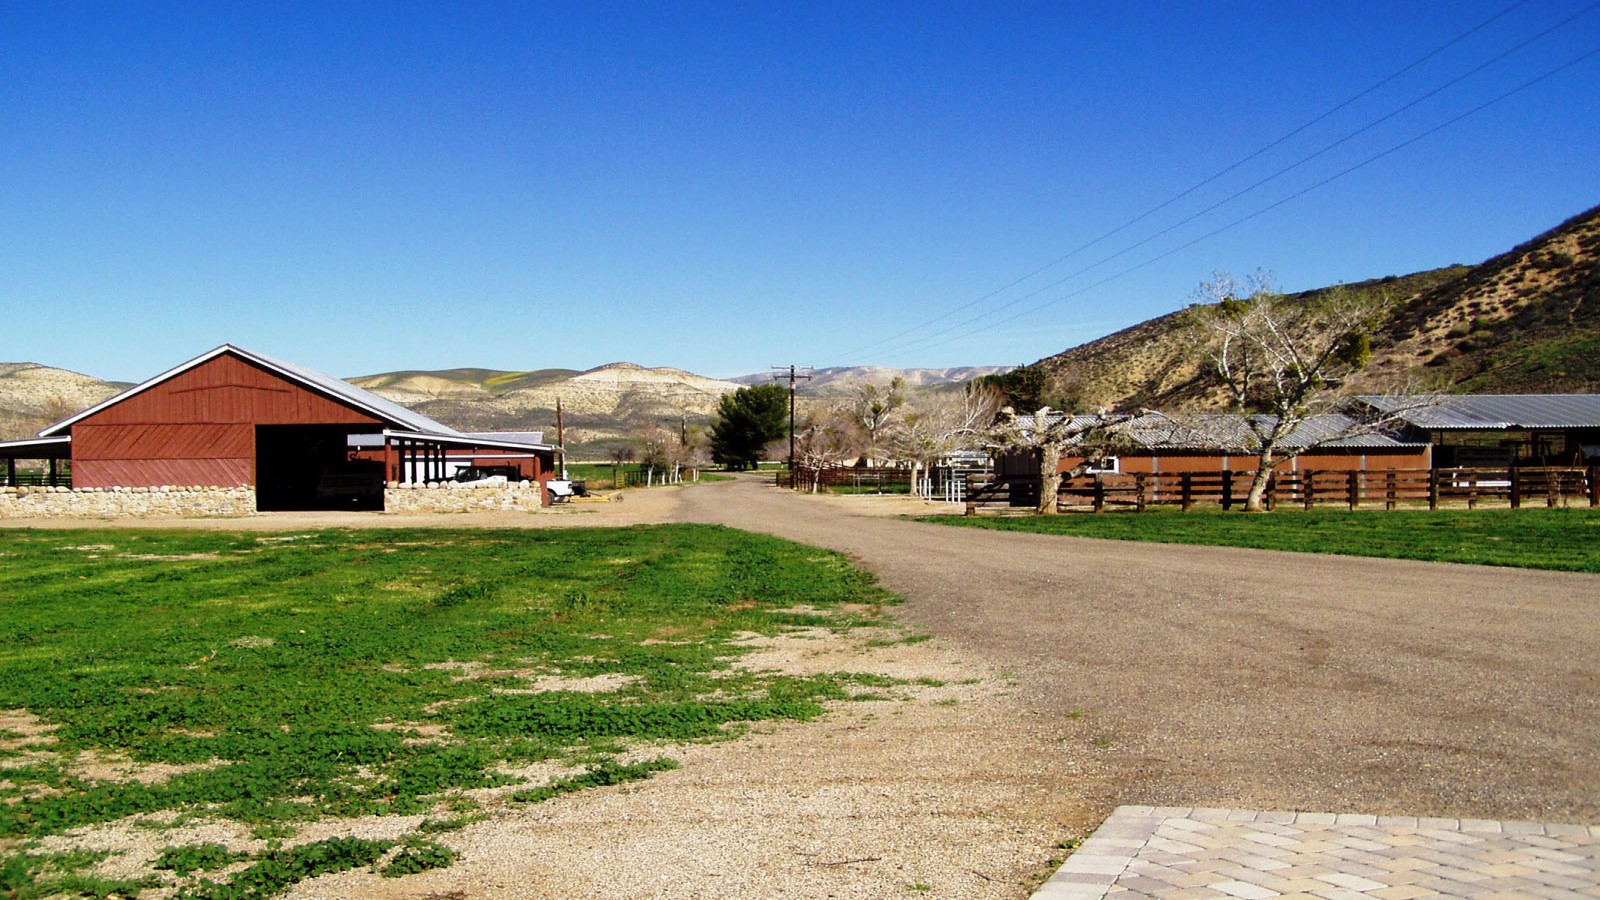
column 1190, row 854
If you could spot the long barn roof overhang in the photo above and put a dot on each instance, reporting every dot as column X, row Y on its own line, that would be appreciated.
column 463, row 440
column 33, row 448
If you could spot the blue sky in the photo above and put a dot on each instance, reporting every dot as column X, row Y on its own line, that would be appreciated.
column 722, row 187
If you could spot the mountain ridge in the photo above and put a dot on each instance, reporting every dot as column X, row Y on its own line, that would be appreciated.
column 1523, row 321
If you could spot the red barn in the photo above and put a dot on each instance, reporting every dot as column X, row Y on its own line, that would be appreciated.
column 302, row 439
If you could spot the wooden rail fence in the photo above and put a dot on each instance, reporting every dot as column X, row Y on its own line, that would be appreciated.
column 1515, row 486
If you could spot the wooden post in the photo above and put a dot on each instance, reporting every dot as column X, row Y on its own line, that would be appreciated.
column 1516, row 489
column 1099, row 494
column 1272, row 491
column 1433, row 489
column 1186, row 486
column 11, row 473
column 1227, row 489
column 1308, row 488
column 1594, row 486
column 1139, row 484
column 1353, row 489
column 1389, row 491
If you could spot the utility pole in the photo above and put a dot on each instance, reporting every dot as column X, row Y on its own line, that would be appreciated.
column 561, row 439
column 794, row 375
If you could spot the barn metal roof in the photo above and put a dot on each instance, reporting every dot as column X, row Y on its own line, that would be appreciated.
column 1227, row 432
column 365, row 401
column 387, row 411
column 1492, row 412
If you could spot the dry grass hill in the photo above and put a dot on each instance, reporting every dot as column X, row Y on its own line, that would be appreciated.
column 601, row 407
column 1526, row 321
column 33, row 396
column 843, row 379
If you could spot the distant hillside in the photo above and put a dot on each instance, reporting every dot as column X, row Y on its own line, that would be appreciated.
column 840, row 379
column 416, row 386
column 601, row 406
column 1527, row 321
column 34, row 396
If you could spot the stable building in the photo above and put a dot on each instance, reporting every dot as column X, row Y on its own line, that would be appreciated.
column 303, row 440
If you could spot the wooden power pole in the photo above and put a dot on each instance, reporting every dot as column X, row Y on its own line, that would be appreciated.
column 794, row 375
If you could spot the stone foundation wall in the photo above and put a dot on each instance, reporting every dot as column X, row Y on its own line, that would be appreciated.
column 100, row 503
column 451, row 497
column 116, row 503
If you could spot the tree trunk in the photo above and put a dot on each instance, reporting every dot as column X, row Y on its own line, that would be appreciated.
column 1255, row 501
column 916, row 483
column 1049, row 478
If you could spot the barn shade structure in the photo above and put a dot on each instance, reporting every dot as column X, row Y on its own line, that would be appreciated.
column 303, row 439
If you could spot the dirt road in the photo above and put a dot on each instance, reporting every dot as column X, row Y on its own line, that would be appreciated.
column 1218, row 677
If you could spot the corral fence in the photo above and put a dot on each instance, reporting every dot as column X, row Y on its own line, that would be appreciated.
column 1389, row 488
column 855, row 479
column 936, row 483
column 35, row 479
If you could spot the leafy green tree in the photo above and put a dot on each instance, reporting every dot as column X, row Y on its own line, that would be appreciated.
column 747, row 421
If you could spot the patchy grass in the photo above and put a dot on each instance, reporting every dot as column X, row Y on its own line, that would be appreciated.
column 273, row 680
column 1561, row 539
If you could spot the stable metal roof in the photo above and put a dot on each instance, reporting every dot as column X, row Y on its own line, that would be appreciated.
column 1231, row 432
column 1492, row 412
column 1225, row 432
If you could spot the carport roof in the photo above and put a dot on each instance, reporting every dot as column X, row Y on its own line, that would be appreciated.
column 1493, row 412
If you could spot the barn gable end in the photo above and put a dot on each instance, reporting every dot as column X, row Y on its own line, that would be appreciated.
column 197, row 427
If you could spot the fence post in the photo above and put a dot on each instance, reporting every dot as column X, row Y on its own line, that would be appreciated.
column 1272, row 491
column 1433, row 489
column 1352, row 491
column 1308, row 488
column 1516, row 489
column 1388, row 490
column 1227, row 489
column 1594, row 486
column 1099, row 494
column 1139, row 485
column 1186, row 488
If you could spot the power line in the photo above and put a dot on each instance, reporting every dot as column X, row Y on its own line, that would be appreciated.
column 1296, row 195
column 1237, row 194
column 1198, row 185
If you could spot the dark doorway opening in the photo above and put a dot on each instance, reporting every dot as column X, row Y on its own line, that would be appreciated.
column 309, row 467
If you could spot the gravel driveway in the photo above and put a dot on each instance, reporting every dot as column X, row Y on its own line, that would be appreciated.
column 1200, row 676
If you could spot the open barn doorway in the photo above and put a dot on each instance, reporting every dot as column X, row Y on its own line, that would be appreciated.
column 309, row 467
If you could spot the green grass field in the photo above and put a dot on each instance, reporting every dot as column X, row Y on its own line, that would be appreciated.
column 277, row 679
column 1563, row 539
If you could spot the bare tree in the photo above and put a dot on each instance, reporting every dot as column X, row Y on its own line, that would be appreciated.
column 1281, row 361
column 873, row 409
column 827, row 437
column 1050, row 434
column 937, row 425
